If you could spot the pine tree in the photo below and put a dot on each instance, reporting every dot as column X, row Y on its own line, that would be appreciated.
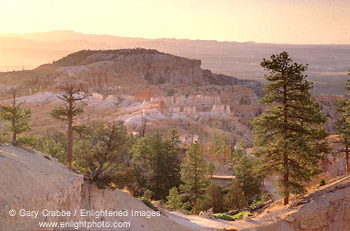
column 235, row 198
column 174, row 199
column 71, row 94
column 343, row 124
column 220, row 147
column 157, row 158
column 249, row 180
column 213, row 198
column 102, row 153
column 195, row 174
column 18, row 118
column 289, row 134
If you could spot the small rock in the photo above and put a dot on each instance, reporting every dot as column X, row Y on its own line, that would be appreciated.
column 303, row 227
column 247, row 218
column 290, row 219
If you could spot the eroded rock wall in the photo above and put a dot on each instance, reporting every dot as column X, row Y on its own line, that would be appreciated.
column 32, row 182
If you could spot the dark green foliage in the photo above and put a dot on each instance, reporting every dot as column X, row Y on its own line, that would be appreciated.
column 18, row 119
column 187, row 206
column 148, row 203
column 195, row 175
column 322, row 182
column 174, row 200
column 343, row 124
column 289, row 134
column 157, row 158
column 248, row 178
column 213, row 198
column 148, row 194
column 102, row 154
column 61, row 114
column 235, row 198
column 247, row 172
column 223, row 216
column 52, row 142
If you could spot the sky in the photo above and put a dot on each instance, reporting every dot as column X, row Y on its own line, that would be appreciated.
column 271, row 21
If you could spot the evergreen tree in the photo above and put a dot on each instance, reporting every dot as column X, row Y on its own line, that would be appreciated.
column 289, row 134
column 72, row 93
column 157, row 158
column 52, row 142
column 17, row 117
column 248, row 178
column 220, row 147
column 235, row 198
column 174, row 200
column 102, row 153
column 246, row 172
column 195, row 174
column 343, row 124
column 213, row 198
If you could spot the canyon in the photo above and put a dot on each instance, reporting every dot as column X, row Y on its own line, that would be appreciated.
column 139, row 84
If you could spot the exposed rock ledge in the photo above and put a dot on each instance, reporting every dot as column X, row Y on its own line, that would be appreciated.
column 34, row 182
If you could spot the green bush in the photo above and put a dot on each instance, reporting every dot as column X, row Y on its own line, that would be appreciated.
column 262, row 200
column 147, row 194
column 148, row 203
column 187, row 206
column 213, row 199
column 242, row 214
column 223, row 216
column 322, row 182
column 174, row 200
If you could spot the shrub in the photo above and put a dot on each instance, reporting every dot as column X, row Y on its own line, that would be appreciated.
column 148, row 203
column 147, row 194
column 242, row 214
column 223, row 216
column 213, row 199
column 102, row 153
column 174, row 200
column 322, row 182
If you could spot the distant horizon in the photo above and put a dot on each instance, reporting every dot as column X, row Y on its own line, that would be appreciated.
column 190, row 39
column 268, row 21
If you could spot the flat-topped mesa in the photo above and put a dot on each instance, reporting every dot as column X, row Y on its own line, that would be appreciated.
column 111, row 68
column 103, row 70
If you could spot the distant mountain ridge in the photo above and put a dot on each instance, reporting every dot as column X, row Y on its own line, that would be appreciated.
column 328, row 64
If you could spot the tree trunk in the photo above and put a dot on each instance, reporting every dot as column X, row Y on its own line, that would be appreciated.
column 286, row 181
column 347, row 159
column 195, row 206
column 70, row 135
column 14, row 134
column 285, row 154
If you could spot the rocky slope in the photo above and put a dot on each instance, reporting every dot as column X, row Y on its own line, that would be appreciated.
column 325, row 209
column 34, row 182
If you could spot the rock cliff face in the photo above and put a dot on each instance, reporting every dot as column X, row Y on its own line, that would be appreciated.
column 33, row 182
column 111, row 69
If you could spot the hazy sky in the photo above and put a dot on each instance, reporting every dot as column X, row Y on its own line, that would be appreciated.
column 277, row 21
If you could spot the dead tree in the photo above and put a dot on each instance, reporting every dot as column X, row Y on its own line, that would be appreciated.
column 71, row 94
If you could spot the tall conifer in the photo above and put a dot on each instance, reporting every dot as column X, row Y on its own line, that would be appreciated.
column 289, row 134
column 343, row 124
